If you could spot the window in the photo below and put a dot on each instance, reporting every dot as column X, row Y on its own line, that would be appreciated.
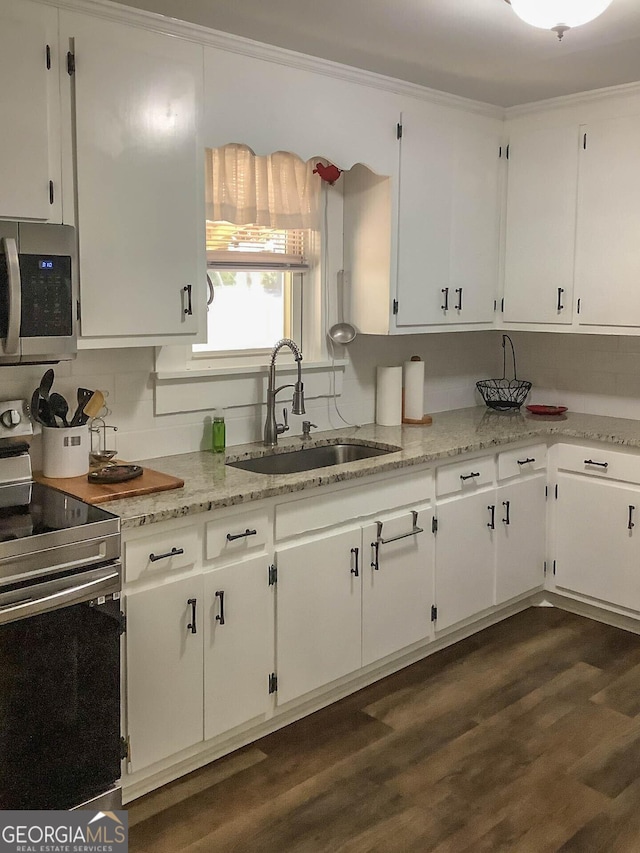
column 262, row 228
column 255, row 281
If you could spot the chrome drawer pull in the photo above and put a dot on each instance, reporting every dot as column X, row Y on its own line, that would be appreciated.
column 469, row 476
column 172, row 553
column 192, row 625
column 232, row 536
column 220, row 616
column 631, row 524
column 599, row 464
column 526, row 461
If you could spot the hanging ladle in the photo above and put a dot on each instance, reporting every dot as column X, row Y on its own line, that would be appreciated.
column 341, row 333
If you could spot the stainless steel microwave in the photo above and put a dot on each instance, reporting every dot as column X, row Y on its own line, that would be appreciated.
column 38, row 293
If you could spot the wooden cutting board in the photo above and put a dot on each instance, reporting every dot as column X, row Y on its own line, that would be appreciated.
column 96, row 493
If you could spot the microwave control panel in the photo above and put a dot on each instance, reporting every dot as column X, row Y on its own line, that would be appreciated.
column 47, row 298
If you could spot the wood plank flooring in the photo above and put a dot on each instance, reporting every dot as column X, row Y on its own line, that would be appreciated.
column 525, row 737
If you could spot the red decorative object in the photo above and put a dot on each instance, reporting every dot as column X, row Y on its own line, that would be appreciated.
column 547, row 410
column 329, row 173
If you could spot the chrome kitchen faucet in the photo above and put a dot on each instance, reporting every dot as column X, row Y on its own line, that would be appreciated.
column 272, row 429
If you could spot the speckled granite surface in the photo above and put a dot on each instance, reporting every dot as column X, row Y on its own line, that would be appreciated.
column 210, row 484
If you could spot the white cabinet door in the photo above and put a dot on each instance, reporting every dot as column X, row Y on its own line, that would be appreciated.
column 238, row 644
column 397, row 583
column 475, row 218
column 541, row 218
column 270, row 107
column 318, row 611
column 608, row 249
column 520, row 540
column 424, row 217
column 139, row 180
column 465, row 557
column 164, row 670
column 597, row 552
column 448, row 218
column 30, row 110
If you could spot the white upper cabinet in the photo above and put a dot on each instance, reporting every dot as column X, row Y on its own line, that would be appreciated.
column 270, row 106
column 30, row 110
column 448, row 217
column 140, row 174
column 541, row 218
column 424, row 253
column 608, row 248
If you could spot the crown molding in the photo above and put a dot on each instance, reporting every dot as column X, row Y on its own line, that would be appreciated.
column 258, row 50
column 593, row 96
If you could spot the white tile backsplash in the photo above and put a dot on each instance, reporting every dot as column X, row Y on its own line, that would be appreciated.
column 598, row 374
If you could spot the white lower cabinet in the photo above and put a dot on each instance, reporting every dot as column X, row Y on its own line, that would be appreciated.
column 465, row 557
column 397, row 582
column 597, row 551
column 520, row 537
column 238, row 644
column 318, row 611
column 164, row 670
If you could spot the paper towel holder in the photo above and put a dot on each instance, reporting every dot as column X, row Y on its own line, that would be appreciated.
column 425, row 420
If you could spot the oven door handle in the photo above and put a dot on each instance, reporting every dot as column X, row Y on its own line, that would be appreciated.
column 60, row 593
column 14, row 296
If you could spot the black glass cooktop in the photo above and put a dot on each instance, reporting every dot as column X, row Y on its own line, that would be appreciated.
column 31, row 509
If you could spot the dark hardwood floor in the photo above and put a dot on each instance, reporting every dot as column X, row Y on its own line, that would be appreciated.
column 525, row 737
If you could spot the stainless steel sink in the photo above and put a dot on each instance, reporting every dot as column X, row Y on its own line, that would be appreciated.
column 308, row 458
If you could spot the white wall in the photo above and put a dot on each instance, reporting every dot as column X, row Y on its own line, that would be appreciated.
column 453, row 362
column 597, row 374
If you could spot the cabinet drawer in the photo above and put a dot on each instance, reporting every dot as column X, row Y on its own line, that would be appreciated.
column 465, row 476
column 233, row 537
column 164, row 551
column 525, row 460
column 601, row 462
column 344, row 505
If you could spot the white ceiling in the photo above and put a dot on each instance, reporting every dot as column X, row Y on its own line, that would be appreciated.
column 475, row 48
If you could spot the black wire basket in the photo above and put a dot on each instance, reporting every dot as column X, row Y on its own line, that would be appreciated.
column 504, row 394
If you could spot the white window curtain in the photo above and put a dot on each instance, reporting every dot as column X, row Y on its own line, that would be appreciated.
column 277, row 190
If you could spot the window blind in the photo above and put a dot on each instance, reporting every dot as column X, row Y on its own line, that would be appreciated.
column 232, row 246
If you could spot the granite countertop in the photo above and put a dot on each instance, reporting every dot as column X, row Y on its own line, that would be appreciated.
column 210, row 484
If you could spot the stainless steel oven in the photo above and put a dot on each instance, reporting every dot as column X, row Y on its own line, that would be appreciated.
column 60, row 628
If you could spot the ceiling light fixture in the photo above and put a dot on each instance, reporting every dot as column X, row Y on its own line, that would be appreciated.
column 558, row 15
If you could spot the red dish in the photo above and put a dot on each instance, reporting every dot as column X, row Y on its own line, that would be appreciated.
column 547, row 410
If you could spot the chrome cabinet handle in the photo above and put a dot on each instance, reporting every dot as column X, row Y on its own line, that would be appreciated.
column 12, row 341
column 232, row 536
column 470, row 476
column 560, row 306
column 492, row 523
column 525, row 461
column 172, row 553
column 192, row 625
column 210, row 289
column 458, row 305
column 189, row 309
column 631, row 523
column 355, row 571
column 380, row 541
column 507, row 506
column 220, row 616
column 445, row 290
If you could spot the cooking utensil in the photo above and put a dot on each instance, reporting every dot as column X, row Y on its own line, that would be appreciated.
column 59, row 407
column 35, row 406
column 44, row 407
column 83, row 397
column 94, row 405
column 341, row 333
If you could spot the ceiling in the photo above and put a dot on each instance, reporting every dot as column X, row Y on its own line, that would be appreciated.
column 475, row 48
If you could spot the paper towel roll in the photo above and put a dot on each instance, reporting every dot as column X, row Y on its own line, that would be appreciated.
column 414, row 389
column 389, row 396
